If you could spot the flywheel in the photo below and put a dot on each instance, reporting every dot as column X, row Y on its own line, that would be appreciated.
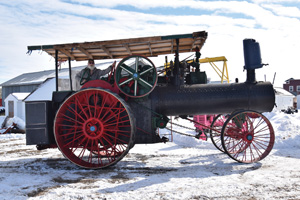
column 136, row 76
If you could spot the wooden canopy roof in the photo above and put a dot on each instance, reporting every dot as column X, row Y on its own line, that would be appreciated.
column 112, row 49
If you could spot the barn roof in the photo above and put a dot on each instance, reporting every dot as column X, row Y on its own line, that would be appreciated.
column 34, row 78
column 113, row 49
column 19, row 95
column 29, row 78
column 43, row 92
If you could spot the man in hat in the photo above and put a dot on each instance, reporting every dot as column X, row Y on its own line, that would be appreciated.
column 91, row 72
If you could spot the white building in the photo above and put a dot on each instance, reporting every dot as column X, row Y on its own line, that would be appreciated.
column 14, row 105
column 283, row 99
column 298, row 102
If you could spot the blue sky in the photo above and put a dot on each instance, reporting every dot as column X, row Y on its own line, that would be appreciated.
column 275, row 24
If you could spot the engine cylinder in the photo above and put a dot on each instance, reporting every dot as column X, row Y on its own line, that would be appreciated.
column 212, row 98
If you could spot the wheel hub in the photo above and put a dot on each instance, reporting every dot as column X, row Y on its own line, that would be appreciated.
column 248, row 137
column 135, row 76
column 93, row 128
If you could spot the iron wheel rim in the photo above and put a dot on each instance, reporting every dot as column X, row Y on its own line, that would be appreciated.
column 237, row 143
column 94, row 135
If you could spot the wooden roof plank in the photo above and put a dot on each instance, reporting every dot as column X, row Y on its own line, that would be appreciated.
column 127, row 49
column 67, row 53
column 106, row 51
column 150, row 48
column 147, row 46
column 85, row 52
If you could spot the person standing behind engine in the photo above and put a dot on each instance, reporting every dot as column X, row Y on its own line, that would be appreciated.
column 91, row 72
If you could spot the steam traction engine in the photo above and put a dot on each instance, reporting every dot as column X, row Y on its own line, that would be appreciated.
column 96, row 126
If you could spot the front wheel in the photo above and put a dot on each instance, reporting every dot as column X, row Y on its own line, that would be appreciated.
column 215, row 131
column 247, row 136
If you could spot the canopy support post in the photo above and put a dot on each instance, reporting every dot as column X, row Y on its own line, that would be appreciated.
column 70, row 74
column 56, row 69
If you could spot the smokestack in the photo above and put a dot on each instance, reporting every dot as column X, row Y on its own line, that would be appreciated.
column 252, row 59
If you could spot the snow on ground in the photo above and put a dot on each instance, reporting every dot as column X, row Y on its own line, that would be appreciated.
column 20, row 124
column 11, row 123
column 2, row 118
column 184, row 169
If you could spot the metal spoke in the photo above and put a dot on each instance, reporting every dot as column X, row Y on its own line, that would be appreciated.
column 129, row 72
column 124, row 82
column 135, row 87
column 144, row 72
column 136, row 64
column 145, row 82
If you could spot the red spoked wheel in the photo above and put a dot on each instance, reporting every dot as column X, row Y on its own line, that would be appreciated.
column 94, row 128
column 215, row 131
column 247, row 136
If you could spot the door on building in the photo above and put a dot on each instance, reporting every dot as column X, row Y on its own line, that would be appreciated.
column 11, row 111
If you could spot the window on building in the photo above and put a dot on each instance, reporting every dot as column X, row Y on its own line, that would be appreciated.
column 298, row 88
column 291, row 88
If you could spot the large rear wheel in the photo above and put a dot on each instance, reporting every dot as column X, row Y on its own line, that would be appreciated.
column 94, row 128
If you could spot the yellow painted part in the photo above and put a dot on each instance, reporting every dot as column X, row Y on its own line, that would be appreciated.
column 223, row 74
column 214, row 59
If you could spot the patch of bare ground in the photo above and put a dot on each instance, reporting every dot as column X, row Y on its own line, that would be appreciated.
column 149, row 170
column 21, row 152
column 120, row 177
column 40, row 191
column 64, row 180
